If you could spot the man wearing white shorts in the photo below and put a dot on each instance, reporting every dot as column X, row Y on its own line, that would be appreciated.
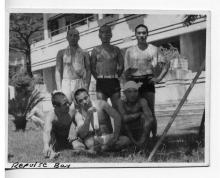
column 94, row 125
column 72, row 66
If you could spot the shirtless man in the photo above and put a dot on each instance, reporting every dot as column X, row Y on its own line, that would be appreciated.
column 58, row 123
column 137, row 116
column 94, row 124
column 140, row 61
column 107, row 65
column 72, row 66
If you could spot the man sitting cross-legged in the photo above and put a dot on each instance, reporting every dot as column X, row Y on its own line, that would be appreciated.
column 57, row 127
column 136, row 115
column 94, row 125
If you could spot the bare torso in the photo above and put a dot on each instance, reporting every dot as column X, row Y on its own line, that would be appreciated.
column 61, row 123
column 107, row 60
column 73, row 63
column 104, row 121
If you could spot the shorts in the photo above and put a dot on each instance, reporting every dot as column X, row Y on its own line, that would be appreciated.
column 70, row 86
column 108, row 86
column 60, row 143
column 147, row 86
column 136, row 128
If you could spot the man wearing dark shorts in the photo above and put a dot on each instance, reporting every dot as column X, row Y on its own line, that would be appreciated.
column 136, row 115
column 107, row 65
column 59, row 132
column 140, row 61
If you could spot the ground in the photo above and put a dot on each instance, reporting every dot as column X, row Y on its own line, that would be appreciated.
column 182, row 144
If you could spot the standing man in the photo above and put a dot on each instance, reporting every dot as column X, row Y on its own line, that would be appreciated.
column 107, row 65
column 93, row 121
column 140, row 61
column 72, row 66
column 136, row 115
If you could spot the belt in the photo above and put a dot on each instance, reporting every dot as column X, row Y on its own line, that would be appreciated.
column 107, row 76
column 142, row 76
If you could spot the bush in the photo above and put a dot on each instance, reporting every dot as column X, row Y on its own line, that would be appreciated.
column 26, row 98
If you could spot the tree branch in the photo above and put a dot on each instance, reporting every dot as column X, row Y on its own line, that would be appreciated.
column 17, row 49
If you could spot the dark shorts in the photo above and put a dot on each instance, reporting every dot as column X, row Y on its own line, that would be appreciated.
column 60, row 143
column 108, row 86
column 136, row 128
column 147, row 86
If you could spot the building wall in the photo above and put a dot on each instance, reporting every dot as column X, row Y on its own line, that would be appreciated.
column 193, row 47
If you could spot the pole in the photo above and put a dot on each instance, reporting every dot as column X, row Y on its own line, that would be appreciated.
column 176, row 112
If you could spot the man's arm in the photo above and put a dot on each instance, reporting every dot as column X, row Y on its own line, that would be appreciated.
column 72, row 132
column 147, row 118
column 120, row 67
column 165, row 66
column 116, row 117
column 129, row 69
column 146, row 110
column 88, row 70
column 83, row 126
column 59, row 68
column 127, row 117
column 47, row 133
column 93, row 63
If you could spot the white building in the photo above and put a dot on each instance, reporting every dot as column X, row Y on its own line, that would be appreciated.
column 163, row 29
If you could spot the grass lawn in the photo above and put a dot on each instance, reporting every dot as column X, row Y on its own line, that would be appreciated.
column 181, row 145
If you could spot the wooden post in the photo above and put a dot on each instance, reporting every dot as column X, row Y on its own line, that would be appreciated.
column 176, row 112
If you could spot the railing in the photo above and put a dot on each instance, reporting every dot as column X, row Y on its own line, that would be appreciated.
column 65, row 28
column 75, row 24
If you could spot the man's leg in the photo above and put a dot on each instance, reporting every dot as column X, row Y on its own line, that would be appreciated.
column 78, row 145
column 92, row 145
column 115, row 100
column 150, row 97
column 122, row 142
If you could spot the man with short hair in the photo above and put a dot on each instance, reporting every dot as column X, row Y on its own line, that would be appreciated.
column 94, row 125
column 72, row 66
column 58, row 123
column 140, row 61
column 107, row 65
column 136, row 115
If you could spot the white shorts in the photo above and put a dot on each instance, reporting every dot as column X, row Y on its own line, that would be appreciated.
column 70, row 86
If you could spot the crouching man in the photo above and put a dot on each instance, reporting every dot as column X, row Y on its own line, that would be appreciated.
column 94, row 125
column 136, row 115
column 57, row 126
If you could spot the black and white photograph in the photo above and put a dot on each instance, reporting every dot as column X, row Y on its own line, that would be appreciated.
column 108, row 89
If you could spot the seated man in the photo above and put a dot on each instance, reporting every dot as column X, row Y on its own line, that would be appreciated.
column 57, row 126
column 94, row 125
column 136, row 115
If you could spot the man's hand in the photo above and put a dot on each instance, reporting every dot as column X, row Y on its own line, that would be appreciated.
column 154, row 80
column 110, row 140
column 72, row 137
column 47, row 151
column 90, row 112
column 92, row 109
column 129, row 72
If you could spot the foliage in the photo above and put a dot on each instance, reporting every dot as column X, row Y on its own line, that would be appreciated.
column 23, row 28
column 189, row 19
column 171, row 52
column 25, row 100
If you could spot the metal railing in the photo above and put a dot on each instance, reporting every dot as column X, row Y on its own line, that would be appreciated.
column 81, row 22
